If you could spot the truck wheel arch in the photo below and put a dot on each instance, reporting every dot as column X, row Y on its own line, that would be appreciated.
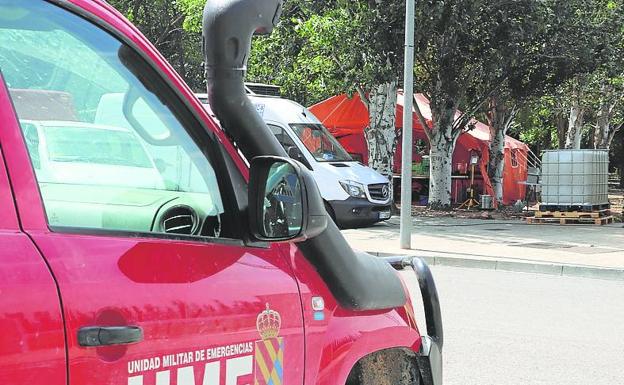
column 396, row 366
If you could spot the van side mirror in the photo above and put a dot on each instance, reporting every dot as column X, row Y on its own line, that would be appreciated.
column 285, row 204
column 294, row 153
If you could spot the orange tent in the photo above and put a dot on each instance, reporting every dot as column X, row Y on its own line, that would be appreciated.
column 346, row 117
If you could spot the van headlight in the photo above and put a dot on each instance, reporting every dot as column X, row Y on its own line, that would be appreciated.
column 354, row 189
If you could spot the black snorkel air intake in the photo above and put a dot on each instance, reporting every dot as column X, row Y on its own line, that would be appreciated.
column 358, row 281
column 228, row 28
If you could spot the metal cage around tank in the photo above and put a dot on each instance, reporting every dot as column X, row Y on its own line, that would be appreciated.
column 575, row 179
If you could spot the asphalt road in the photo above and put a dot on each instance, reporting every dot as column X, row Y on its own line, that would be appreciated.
column 608, row 238
column 512, row 328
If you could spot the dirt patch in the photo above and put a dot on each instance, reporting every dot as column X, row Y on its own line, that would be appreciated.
column 503, row 214
column 616, row 197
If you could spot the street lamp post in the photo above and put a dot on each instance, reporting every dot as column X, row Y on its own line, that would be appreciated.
column 408, row 95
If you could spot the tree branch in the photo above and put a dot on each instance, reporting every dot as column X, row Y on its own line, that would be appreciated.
column 363, row 96
column 169, row 31
column 466, row 117
column 511, row 117
column 358, row 87
column 423, row 121
column 613, row 133
column 424, row 65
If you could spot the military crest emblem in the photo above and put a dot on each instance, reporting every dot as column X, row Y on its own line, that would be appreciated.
column 269, row 351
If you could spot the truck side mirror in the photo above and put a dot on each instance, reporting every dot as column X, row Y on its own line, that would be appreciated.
column 284, row 202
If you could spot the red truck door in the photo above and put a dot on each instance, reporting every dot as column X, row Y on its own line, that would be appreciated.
column 125, row 195
column 32, row 339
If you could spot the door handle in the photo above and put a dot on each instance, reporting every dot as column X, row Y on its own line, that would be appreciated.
column 107, row 336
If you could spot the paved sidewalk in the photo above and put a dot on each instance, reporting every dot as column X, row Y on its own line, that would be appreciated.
column 591, row 251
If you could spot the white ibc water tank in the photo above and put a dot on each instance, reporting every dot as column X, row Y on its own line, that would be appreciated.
column 575, row 178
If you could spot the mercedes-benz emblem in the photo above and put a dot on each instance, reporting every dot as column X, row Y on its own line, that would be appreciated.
column 385, row 191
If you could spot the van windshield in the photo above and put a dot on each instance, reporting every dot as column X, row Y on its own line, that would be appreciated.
column 321, row 144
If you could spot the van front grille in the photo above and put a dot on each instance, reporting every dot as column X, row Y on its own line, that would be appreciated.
column 379, row 192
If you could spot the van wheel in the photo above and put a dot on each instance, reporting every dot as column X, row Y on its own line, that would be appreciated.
column 331, row 212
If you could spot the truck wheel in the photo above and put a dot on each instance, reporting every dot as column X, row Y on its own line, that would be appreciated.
column 391, row 367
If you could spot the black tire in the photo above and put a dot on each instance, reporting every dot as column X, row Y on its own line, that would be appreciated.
column 385, row 367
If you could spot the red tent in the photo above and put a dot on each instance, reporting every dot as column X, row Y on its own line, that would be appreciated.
column 347, row 117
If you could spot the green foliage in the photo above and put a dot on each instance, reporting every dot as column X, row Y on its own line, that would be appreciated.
column 193, row 9
column 584, row 49
column 283, row 59
column 524, row 51
column 536, row 123
column 165, row 23
column 322, row 48
column 468, row 51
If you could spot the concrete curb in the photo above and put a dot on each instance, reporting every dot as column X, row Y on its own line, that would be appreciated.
column 521, row 267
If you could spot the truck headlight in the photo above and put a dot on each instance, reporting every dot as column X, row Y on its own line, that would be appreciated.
column 354, row 189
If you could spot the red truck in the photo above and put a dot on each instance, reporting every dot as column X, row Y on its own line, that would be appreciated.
column 144, row 243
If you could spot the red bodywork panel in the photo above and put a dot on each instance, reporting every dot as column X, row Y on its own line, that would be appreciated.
column 334, row 345
column 192, row 300
column 32, row 342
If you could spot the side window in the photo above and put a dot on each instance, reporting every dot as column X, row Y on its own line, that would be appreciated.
column 289, row 145
column 282, row 137
column 109, row 151
column 514, row 158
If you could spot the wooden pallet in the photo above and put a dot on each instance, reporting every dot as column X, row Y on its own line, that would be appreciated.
column 571, row 208
column 601, row 221
column 573, row 214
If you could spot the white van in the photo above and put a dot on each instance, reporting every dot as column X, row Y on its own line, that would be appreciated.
column 65, row 153
column 355, row 195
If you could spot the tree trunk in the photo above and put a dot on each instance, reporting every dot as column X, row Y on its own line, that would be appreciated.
column 602, row 132
column 562, row 130
column 621, row 169
column 612, row 135
column 441, row 158
column 381, row 132
column 575, row 125
column 443, row 140
column 500, row 119
column 603, row 125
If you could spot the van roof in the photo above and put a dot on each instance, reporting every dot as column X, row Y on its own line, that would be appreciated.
column 282, row 110
column 275, row 109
